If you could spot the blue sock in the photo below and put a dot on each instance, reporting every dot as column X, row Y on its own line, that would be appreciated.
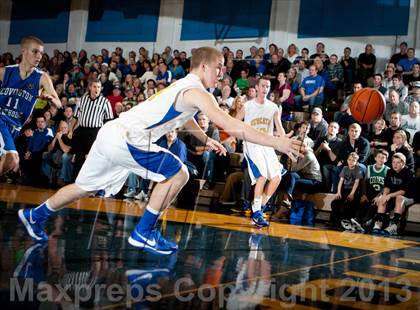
column 42, row 212
column 148, row 220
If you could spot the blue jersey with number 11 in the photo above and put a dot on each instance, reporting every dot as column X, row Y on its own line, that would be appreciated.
column 17, row 96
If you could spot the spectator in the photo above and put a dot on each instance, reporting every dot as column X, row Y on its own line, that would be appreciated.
column 155, row 60
column 411, row 121
column 225, row 99
column 396, row 195
column 184, row 61
column 68, row 117
column 400, row 145
column 164, row 75
column 371, row 191
column 278, row 64
column 398, row 86
column 336, row 72
column 22, row 142
column 241, row 83
column 394, row 126
column 252, row 53
column 377, row 83
column 414, row 76
column 320, row 50
column 304, row 175
column 135, row 70
column 401, row 55
column 292, row 79
column 329, row 87
column 292, row 53
column 416, row 149
column 167, row 55
column 318, row 125
column 284, row 93
column 415, row 93
column 58, row 157
column 197, row 154
column 251, row 93
column 150, row 88
column 302, row 71
column 388, row 75
column 395, row 105
column 377, row 137
column 405, row 65
column 176, row 69
column 301, row 129
column 353, row 142
column 115, row 97
column 326, row 149
column 150, row 74
column 349, row 69
column 311, row 90
column 366, row 65
column 31, row 165
column 304, row 55
column 257, row 66
column 344, row 205
column 129, row 97
column 107, row 85
column 237, row 105
column 227, row 140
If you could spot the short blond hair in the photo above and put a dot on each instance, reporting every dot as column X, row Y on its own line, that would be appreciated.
column 356, row 126
column 204, row 55
column 28, row 39
column 400, row 156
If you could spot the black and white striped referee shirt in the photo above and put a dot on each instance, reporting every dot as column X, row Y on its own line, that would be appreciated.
column 92, row 113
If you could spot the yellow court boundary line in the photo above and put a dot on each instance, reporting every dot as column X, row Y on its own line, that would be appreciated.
column 23, row 194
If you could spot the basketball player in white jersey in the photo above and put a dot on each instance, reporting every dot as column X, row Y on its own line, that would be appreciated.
column 126, row 145
column 263, row 164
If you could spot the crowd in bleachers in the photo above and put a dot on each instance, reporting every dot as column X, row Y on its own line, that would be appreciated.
column 312, row 91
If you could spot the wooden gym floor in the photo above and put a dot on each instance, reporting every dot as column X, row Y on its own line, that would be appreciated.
column 223, row 261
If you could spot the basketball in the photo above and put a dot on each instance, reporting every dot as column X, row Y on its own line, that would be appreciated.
column 367, row 105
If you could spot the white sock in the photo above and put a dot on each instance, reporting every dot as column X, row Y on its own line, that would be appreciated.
column 151, row 210
column 256, row 205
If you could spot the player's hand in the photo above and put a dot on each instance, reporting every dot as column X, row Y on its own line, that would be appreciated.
column 350, row 197
column 213, row 145
column 290, row 134
column 51, row 99
column 337, row 196
column 291, row 147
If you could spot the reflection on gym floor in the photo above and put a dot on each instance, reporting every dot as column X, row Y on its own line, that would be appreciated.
column 222, row 262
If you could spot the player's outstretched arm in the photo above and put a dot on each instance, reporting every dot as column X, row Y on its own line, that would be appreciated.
column 211, row 144
column 50, row 93
column 206, row 103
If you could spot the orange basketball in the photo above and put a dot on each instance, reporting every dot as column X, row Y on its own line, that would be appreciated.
column 367, row 105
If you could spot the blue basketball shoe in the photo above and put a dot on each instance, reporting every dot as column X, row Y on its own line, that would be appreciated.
column 34, row 224
column 31, row 266
column 258, row 219
column 152, row 241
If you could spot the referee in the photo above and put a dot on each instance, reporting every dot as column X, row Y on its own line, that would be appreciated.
column 91, row 114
